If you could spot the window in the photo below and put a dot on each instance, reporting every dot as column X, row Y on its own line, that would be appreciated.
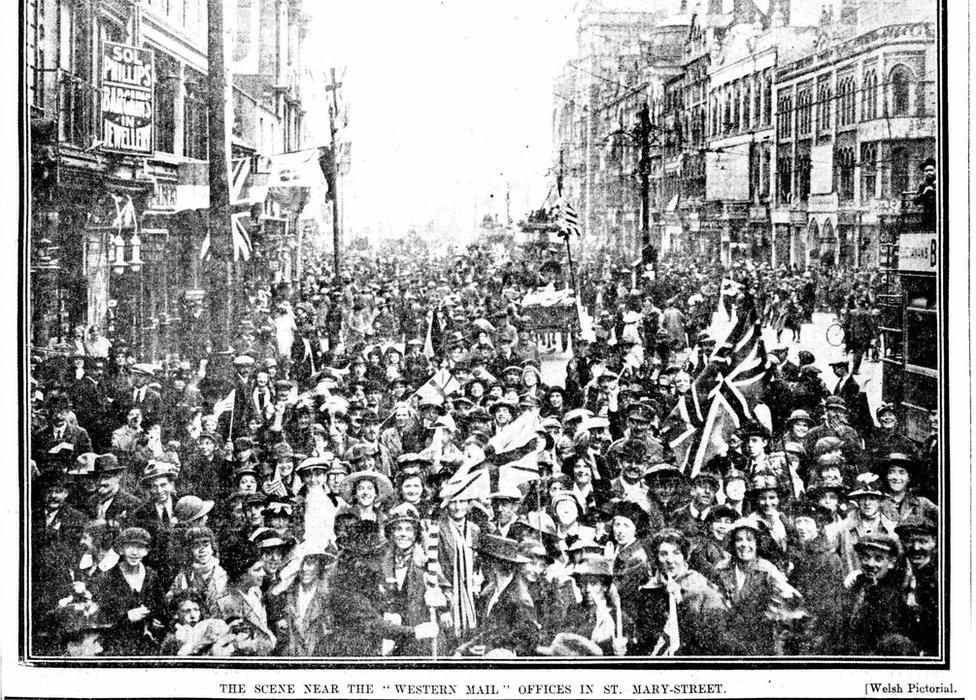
column 901, row 80
column 823, row 103
column 736, row 112
column 784, row 176
column 766, row 162
column 803, row 176
column 844, row 173
column 164, row 102
column 804, row 112
column 869, row 109
column 195, row 120
column 35, row 53
column 900, row 173
column 869, row 171
column 767, row 99
column 747, row 113
column 845, row 101
column 784, row 116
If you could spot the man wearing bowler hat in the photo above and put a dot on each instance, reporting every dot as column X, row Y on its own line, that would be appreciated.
column 854, row 397
column 60, row 439
column 110, row 501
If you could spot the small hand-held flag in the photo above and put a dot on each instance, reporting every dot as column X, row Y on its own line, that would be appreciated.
column 567, row 219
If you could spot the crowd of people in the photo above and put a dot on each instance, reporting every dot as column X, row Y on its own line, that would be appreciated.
column 340, row 481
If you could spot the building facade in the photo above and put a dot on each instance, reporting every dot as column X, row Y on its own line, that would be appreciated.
column 117, row 98
column 855, row 120
column 786, row 134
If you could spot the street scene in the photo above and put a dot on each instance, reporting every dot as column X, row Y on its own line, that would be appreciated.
column 597, row 328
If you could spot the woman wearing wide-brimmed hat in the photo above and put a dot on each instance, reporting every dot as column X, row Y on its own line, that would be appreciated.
column 366, row 494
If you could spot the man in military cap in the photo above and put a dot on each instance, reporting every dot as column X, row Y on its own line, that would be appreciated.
column 866, row 519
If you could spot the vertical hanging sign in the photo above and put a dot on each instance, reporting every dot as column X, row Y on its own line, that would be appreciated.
column 127, row 98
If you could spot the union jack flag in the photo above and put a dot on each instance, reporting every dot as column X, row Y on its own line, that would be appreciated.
column 723, row 395
column 242, row 200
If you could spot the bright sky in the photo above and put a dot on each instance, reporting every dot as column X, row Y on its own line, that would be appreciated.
column 448, row 101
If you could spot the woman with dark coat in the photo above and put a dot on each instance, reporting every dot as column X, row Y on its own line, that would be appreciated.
column 355, row 598
column 130, row 596
column 404, row 583
column 817, row 572
column 752, row 587
column 681, row 612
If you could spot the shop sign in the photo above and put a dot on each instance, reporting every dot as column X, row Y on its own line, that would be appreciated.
column 127, row 98
column 918, row 252
column 164, row 196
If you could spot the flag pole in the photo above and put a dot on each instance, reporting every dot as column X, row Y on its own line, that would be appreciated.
column 565, row 233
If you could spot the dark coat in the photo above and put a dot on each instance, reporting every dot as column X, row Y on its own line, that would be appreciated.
column 874, row 613
column 308, row 634
column 512, row 623
column 407, row 601
column 151, row 405
column 122, row 509
column 707, row 556
column 92, row 405
column 817, row 572
column 747, row 621
column 857, row 404
column 146, row 517
column 115, row 598
column 42, row 442
column 701, row 618
column 356, row 602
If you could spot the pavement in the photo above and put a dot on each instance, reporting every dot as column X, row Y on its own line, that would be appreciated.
column 813, row 337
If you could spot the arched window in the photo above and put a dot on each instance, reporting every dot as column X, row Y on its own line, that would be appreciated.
column 901, row 80
column 846, row 101
column 870, row 108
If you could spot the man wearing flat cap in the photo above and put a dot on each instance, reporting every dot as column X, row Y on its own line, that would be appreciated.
column 140, row 395
column 875, row 610
column 918, row 540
